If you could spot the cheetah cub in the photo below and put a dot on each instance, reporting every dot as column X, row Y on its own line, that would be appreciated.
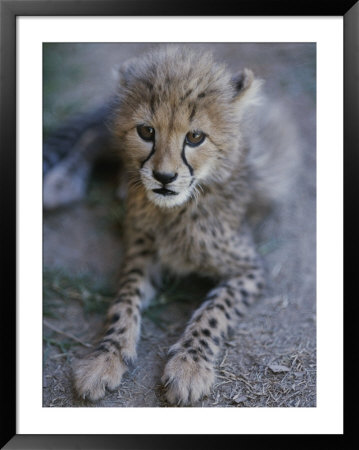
column 183, row 126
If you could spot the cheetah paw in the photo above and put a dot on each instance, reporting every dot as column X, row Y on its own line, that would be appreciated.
column 97, row 372
column 187, row 380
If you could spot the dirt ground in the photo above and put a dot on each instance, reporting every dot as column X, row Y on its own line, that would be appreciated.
column 271, row 359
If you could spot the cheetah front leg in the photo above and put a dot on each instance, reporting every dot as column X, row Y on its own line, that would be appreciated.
column 189, row 373
column 104, row 367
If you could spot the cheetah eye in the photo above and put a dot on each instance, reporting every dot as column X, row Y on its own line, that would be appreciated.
column 194, row 138
column 146, row 133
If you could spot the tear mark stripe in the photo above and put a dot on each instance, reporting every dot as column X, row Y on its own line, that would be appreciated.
column 149, row 156
column 183, row 155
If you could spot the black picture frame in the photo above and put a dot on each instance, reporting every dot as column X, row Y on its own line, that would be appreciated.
column 10, row 9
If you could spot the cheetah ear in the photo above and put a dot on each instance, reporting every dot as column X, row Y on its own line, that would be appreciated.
column 246, row 90
column 123, row 72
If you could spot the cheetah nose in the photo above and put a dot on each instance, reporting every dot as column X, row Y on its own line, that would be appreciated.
column 164, row 177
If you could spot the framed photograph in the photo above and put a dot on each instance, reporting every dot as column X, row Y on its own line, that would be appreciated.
column 174, row 205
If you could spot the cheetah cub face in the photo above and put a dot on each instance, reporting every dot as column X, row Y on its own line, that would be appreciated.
column 178, row 120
